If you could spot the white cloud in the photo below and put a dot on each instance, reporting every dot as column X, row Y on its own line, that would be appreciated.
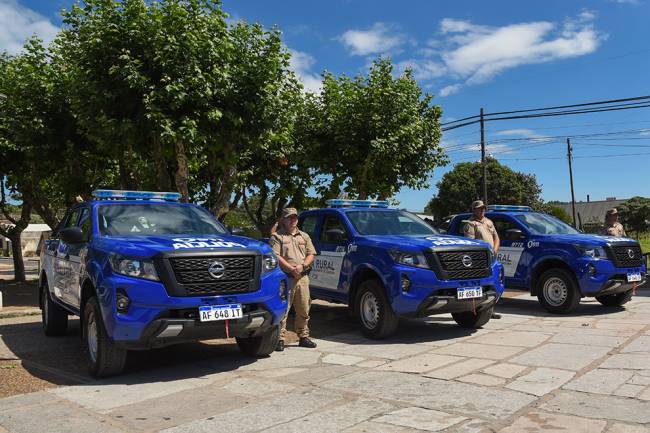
column 423, row 70
column 449, row 90
column 380, row 38
column 645, row 132
column 301, row 64
column 626, row 2
column 18, row 23
column 528, row 133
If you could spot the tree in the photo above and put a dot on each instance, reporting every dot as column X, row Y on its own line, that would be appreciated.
column 374, row 135
column 559, row 213
column 459, row 187
column 635, row 214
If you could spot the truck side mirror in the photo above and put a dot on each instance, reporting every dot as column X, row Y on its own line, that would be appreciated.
column 514, row 235
column 334, row 236
column 72, row 235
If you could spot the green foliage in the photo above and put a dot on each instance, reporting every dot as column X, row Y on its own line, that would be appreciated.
column 635, row 214
column 459, row 187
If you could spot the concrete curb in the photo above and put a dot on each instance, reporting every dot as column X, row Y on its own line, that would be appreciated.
column 19, row 313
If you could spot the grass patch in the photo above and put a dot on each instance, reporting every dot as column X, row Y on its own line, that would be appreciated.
column 644, row 240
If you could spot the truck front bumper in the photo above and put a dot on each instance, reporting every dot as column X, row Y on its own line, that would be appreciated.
column 600, row 277
column 448, row 303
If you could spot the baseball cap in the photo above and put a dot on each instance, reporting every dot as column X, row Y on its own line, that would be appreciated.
column 612, row 211
column 288, row 211
column 477, row 204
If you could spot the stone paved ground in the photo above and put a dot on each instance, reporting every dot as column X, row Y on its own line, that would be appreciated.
column 528, row 372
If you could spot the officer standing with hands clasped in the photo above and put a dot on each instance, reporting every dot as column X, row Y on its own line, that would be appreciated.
column 612, row 226
column 481, row 227
column 295, row 252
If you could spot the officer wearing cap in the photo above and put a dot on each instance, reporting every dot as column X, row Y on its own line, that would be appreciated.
column 481, row 227
column 295, row 253
column 612, row 226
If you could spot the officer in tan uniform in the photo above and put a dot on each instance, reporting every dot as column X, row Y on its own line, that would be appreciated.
column 612, row 226
column 480, row 227
column 295, row 253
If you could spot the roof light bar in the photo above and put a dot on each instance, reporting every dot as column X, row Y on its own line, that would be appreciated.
column 337, row 202
column 114, row 194
column 508, row 208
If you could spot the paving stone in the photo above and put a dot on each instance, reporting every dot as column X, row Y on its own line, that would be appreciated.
column 373, row 349
column 600, row 407
column 572, row 331
column 278, row 372
column 263, row 415
column 628, row 390
column 378, row 427
column 371, row 363
column 291, row 357
column 479, row 351
column 568, row 356
column 336, row 419
column 314, row 376
column 420, row 363
column 459, row 368
column 537, row 421
column 541, row 381
column 600, row 381
column 505, row 370
column 473, row 426
column 250, row 386
column 628, row 361
column 628, row 428
column 589, row 340
column 25, row 400
column 436, row 394
column 422, row 419
column 640, row 344
column 512, row 338
column 335, row 358
column 616, row 325
column 637, row 379
column 482, row 379
column 645, row 395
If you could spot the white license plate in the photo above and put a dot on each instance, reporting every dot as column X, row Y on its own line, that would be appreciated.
column 470, row 292
column 220, row 312
column 633, row 276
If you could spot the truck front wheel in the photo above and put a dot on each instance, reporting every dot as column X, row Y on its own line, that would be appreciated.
column 104, row 357
column 615, row 300
column 376, row 317
column 262, row 345
column 557, row 292
column 468, row 319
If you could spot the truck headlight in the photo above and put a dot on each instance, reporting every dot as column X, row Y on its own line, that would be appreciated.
column 592, row 251
column 133, row 267
column 269, row 262
column 409, row 258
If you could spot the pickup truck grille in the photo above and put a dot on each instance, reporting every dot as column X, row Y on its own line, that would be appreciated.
column 622, row 255
column 237, row 275
column 453, row 264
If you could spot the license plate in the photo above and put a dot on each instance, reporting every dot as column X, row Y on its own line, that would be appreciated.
column 633, row 276
column 220, row 312
column 470, row 292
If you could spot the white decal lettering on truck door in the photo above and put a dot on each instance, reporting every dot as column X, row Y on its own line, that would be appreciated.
column 509, row 258
column 326, row 269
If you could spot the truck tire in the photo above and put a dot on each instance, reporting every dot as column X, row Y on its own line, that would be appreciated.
column 615, row 300
column 376, row 317
column 468, row 319
column 53, row 317
column 104, row 358
column 262, row 345
column 557, row 291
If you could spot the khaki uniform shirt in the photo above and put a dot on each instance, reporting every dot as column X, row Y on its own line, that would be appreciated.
column 294, row 248
column 615, row 229
column 483, row 230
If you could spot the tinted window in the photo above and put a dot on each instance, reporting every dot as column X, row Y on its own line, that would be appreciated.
column 390, row 222
column 84, row 223
column 503, row 224
column 542, row 224
column 72, row 219
column 332, row 222
column 308, row 225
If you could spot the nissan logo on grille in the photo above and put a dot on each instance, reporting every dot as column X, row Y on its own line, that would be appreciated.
column 630, row 253
column 216, row 270
column 467, row 261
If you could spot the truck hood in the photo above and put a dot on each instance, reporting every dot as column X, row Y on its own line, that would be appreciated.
column 425, row 242
column 148, row 246
column 587, row 239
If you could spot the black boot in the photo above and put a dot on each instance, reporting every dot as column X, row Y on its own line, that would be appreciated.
column 306, row 342
column 280, row 346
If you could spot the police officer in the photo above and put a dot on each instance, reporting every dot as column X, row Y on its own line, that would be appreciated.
column 295, row 253
column 612, row 226
column 481, row 227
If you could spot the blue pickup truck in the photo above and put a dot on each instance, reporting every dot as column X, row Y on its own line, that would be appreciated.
column 142, row 270
column 558, row 263
column 386, row 263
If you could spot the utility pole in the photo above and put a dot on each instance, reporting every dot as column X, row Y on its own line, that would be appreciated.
column 573, row 197
column 483, row 162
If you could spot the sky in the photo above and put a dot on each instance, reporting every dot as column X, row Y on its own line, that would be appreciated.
column 501, row 55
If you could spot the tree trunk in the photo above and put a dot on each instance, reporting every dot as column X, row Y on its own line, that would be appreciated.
column 163, row 182
column 182, row 171
column 17, row 251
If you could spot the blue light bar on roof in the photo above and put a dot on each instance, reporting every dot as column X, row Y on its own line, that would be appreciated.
column 337, row 202
column 508, row 208
column 113, row 194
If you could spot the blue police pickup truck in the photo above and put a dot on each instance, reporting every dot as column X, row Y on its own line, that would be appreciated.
column 386, row 263
column 142, row 270
column 558, row 263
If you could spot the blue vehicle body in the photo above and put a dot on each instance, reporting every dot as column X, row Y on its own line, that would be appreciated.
column 599, row 265
column 344, row 262
column 165, row 310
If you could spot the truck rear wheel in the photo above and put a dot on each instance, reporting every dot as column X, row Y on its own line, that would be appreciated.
column 468, row 319
column 376, row 317
column 557, row 292
column 615, row 300
column 53, row 317
column 104, row 358
column 262, row 345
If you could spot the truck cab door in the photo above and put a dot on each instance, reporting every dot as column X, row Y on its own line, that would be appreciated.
column 77, row 257
column 63, row 282
column 333, row 240
column 512, row 253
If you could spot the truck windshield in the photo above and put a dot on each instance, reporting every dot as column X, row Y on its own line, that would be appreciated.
column 156, row 219
column 542, row 224
column 388, row 223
